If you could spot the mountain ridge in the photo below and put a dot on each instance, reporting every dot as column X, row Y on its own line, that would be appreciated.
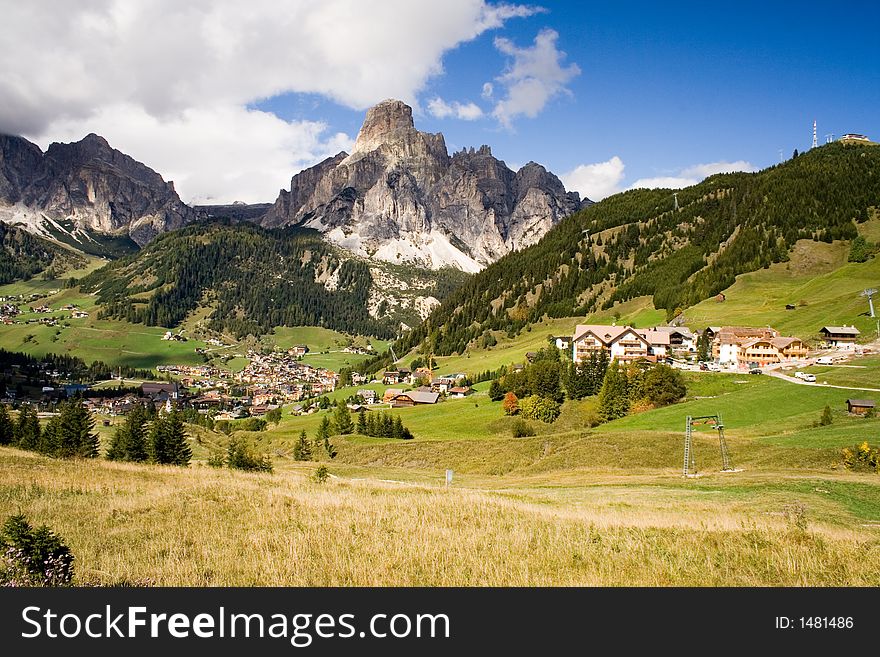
column 400, row 197
column 90, row 186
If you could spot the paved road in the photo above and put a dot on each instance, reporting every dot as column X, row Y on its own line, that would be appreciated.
column 791, row 379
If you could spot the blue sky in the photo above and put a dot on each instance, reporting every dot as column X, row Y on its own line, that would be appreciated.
column 664, row 86
column 229, row 99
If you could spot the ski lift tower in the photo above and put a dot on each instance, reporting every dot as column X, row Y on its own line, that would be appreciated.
column 870, row 292
column 689, row 469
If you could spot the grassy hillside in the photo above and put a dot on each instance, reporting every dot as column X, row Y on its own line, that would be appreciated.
column 817, row 280
column 569, row 506
column 600, row 507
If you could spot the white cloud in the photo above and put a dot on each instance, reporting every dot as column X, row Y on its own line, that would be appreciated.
column 217, row 155
column 602, row 179
column 665, row 182
column 702, row 171
column 466, row 111
column 533, row 77
column 67, row 64
column 488, row 90
column 595, row 181
column 692, row 175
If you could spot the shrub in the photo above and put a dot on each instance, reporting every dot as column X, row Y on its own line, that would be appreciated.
column 662, row 385
column 250, row 424
column 540, row 408
column 321, row 474
column 861, row 458
column 33, row 557
column 861, row 250
column 825, row 419
column 239, row 458
column 521, row 429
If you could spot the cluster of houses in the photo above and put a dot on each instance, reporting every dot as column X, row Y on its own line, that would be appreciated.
column 429, row 390
column 10, row 311
column 289, row 378
column 734, row 347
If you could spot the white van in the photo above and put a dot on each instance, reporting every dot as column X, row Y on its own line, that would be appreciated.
column 825, row 360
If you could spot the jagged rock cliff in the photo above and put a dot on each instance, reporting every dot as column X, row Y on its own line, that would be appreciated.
column 89, row 184
column 400, row 197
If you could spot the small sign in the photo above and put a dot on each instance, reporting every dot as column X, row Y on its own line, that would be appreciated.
column 448, row 478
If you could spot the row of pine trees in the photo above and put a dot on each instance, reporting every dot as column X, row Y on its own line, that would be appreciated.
column 143, row 437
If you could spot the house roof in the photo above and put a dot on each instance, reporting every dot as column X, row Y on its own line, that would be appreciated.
column 601, row 331
column 672, row 330
column 745, row 344
column 460, row 390
column 420, row 397
column 841, row 330
column 158, row 387
column 656, row 337
column 866, row 403
column 782, row 343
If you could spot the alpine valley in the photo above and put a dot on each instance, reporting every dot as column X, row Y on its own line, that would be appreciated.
column 398, row 221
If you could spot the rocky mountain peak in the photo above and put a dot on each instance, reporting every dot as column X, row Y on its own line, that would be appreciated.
column 387, row 121
column 401, row 198
column 90, row 184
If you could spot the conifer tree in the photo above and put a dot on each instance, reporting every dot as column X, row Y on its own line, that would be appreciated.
column 324, row 429
column 49, row 442
column 168, row 443
column 130, row 439
column 343, row 422
column 496, row 393
column 614, row 396
column 176, row 441
column 362, row 423
column 302, row 450
column 75, row 434
column 7, row 428
column 27, row 429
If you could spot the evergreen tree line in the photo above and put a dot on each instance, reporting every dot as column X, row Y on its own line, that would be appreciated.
column 379, row 424
column 148, row 437
column 70, row 367
column 257, row 278
column 636, row 243
column 66, row 435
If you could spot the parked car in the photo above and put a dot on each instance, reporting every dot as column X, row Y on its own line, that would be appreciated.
column 799, row 375
column 755, row 370
column 714, row 367
column 810, row 378
column 825, row 360
column 704, row 367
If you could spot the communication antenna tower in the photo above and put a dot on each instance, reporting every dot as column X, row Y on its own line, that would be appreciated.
column 870, row 292
column 815, row 140
column 829, row 138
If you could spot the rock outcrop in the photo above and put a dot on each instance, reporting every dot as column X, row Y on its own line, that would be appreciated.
column 400, row 197
column 90, row 184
